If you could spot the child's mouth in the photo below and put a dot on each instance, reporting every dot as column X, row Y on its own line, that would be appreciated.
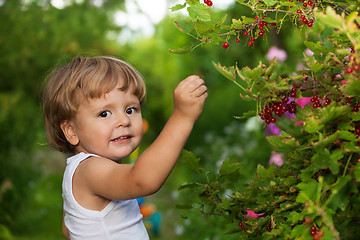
column 122, row 138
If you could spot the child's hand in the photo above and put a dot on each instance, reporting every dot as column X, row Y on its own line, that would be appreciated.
column 189, row 97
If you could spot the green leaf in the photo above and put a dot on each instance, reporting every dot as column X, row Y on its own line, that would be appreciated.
column 312, row 125
column 190, row 186
column 352, row 87
column 263, row 173
column 270, row 2
column 330, row 18
column 230, row 170
column 185, row 26
column 190, row 160
column 202, row 27
column 357, row 172
column 249, row 114
column 236, row 23
column 182, row 50
column 336, row 155
column 317, row 48
column 283, row 143
column 309, row 189
column 199, row 12
column 321, row 159
column 228, row 72
column 178, row 7
column 340, row 183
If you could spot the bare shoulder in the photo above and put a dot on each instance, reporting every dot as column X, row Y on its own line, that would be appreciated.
column 103, row 177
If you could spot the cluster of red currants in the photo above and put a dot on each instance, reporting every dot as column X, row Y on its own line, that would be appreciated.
column 315, row 233
column 260, row 24
column 352, row 66
column 316, row 101
column 278, row 108
column 208, row 2
column 242, row 226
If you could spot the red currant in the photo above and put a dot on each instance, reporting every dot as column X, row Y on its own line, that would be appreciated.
column 252, row 39
column 305, row 5
column 310, row 24
column 251, row 43
column 356, row 68
column 237, row 40
column 298, row 11
column 310, row 3
column 225, row 45
column 246, row 33
column 208, row 2
column 349, row 70
column 261, row 33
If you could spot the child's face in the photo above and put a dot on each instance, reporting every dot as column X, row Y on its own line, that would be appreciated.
column 109, row 126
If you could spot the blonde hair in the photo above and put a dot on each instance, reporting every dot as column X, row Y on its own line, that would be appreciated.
column 83, row 78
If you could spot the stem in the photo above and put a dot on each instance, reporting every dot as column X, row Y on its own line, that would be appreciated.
column 347, row 164
column 327, row 222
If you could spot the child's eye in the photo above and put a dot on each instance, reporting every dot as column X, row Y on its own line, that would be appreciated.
column 105, row 114
column 130, row 110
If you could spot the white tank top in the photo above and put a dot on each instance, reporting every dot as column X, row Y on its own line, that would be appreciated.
column 118, row 220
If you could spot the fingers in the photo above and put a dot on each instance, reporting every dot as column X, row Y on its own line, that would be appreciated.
column 193, row 84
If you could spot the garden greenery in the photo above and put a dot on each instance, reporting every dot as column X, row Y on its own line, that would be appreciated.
column 315, row 193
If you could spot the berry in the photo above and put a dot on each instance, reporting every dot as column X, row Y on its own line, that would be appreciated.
column 246, row 33
column 298, row 11
column 261, row 33
column 252, row 39
column 305, row 5
column 237, row 40
column 208, row 2
column 261, row 27
column 349, row 70
column 251, row 43
column 310, row 24
column 310, row 3
column 273, row 24
column 307, row 220
column 356, row 68
column 225, row 45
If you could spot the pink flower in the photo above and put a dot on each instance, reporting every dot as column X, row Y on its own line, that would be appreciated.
column 272, row 129
column 309, row 52
column 302, row 102
column 252, row 214
column 277, row 53
column 276, row 158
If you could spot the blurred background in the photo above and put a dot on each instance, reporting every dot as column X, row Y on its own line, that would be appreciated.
column 36, row 35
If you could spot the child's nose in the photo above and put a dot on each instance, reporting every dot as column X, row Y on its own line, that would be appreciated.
column 123, row 120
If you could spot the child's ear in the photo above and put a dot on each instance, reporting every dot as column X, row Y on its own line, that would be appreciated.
column 69, row 132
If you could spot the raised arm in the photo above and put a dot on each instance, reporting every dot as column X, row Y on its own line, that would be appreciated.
column 157, row 162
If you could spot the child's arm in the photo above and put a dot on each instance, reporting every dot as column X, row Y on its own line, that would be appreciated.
column 110, row 180
column 65, row 230
column 157, row 162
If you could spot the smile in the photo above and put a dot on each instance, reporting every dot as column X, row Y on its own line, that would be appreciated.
column 119, row 139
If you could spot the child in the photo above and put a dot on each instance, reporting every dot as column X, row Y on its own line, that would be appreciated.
column 92, row 109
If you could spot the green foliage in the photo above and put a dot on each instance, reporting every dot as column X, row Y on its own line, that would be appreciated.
column 319, row 180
